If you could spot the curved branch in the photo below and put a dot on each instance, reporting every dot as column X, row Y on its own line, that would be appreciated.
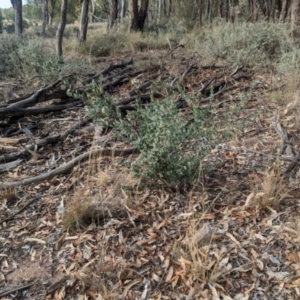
column 68, row 166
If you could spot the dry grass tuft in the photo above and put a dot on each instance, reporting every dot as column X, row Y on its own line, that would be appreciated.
column 273, row 189
column 100, row 195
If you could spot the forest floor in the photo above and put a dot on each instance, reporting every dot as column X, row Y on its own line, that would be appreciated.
column 235, row 235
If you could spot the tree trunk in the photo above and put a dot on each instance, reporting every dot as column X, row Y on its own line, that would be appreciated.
column 51, row 12
column 142, row 15
column 61, row 27
column 113, row 10
column 123, row 11
column 94, row 6
column 283, row 12
column 137, row 17
column 17, row 5
column 295, row 21
column 209, row 11
column 133, row 15
column 44, row 4
column 84, row 20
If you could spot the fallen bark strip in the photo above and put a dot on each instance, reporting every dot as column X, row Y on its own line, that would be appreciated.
column 21, row 112
column 67, row 167
column 35, row 97
column 43, row 142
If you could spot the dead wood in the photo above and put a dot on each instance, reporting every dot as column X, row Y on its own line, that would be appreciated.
column 43, row 142
column 107, row 70
column 35, row 97
column 21, row 209
column 143, row 86
column 67, row 167
column 15, row 289
column 21, row 112
column 58, row 94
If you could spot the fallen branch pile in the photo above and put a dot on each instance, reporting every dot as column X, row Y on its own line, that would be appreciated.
column 57, row 99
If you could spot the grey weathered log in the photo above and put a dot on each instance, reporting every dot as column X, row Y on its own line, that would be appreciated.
column 67, row 167
column 35, row 97
column 20, row 112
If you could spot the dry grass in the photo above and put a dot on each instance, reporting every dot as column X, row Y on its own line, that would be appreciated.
column 273, row 189
column 98, row 194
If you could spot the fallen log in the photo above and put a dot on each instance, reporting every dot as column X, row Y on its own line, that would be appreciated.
column 67, row 167
column 21, row 112
column 35, row 97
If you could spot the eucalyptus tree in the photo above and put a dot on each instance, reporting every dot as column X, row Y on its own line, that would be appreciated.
column 137, row 15
column 17, row 5
column 84, row 20
column 51, row 10
column 113, row 12
column 61, row 27
column 44, row 4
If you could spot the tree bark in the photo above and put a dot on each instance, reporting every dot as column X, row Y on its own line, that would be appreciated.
column 17, row 5
column 295, row 21
column 61, row 27
column 283, row 12
column 123, row 11
column 113, row 10
column 44, row 4
column 94, row 8
column 142, row 14
column 133, row 14
column 84, row 20
column 51, row 12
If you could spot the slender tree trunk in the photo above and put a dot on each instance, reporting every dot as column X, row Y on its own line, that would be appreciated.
column 283, row 12
column 122, row 10
column 209, row 11
column 44, row 4
column 295, row 21
column 142, row 14
column 51, row 11
column 61, row 27
column 94, row 7
column 200, row 12
column 84, row 20
column 17, row 5
column 170, row 8
column 113, row 10
column 133, row 14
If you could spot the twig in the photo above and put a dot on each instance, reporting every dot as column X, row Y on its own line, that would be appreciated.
column 19, row 211
column 16, row 289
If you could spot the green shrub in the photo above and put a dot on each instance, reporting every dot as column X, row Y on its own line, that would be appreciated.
column 171, row 145
column 252, row 44
column 32, row 57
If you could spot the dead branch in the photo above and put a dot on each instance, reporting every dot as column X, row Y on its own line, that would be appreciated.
column 35, row 97
column 107, row 70
column 16, row 289
column 43, row 142
column 20, row 210
column 21, row 112
column 65, row 168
